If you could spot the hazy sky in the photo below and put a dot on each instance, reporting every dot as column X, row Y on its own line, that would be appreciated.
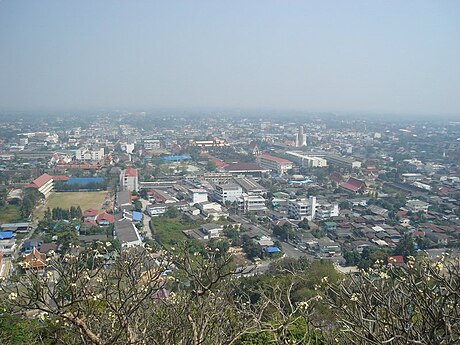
column 379, row 56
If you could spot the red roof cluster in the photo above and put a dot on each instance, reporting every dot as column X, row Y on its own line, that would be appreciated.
column 90, row 221
column 397, row 260
column 60, row 177
column 220, row 164
column 35, row 260
column 274, row 159
column 353, row 184
column 131, row 172
column 78, row 166
column 105, row 217
column 40, row 181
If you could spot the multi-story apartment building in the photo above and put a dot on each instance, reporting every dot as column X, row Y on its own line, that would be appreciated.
column 306, row 160
column 44, row 184
column 302, row 208
column 252, row 203
column 129, row 180
column 343, row 162
column 209, row 143
column 311, row 209
column 280, row 165
column 197, row 195
column 150, row 144
column 416, row 206
column 85, row 154
column 326, row 211
column 228, row 192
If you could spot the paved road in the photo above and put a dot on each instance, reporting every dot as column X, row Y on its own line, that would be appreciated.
column 146, row 221
column 290, row 250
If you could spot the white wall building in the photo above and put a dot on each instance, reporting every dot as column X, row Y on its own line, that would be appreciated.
column 151, row 144
column 228, row 192
column 129, row 180
column 280, row 165
column 307, row 161
column 416, row 206
column 252, row 203
column 197, row 195
column 311, row 209
column 44, row 184
column 85, row 154
column 302, row 208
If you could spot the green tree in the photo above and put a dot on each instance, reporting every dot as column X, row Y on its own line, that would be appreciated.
column 211, row 166
column 405, row 246
column 171, row 212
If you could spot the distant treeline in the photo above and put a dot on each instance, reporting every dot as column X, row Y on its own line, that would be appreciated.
column 62, row 213
column 66, row 187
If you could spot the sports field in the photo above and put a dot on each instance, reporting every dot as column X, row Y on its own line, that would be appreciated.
column 67, row 199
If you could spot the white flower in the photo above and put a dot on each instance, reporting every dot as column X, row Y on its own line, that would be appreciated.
column 355, row 297
column 303, row 305
column 438, row 266
column 13, row 296
column 324, row 280
column 108, row 244
column 384, row 275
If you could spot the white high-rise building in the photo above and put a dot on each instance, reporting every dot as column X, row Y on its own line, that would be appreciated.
column 129, row 180
column 311, row 209
column 228, row 192
column 300, row 138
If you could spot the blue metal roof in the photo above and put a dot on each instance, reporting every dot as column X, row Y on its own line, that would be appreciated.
column 137, row 216
column 6, row 235
column 272, row 250
column 176, row 158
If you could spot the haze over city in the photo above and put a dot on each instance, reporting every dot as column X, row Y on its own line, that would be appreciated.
column 366, row 57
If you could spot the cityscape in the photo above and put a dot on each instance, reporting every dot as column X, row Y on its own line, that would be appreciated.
column 229, row 173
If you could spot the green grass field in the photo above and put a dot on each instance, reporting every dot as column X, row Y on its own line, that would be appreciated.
column 67, row 199
column 169, row 231
column 10, row 213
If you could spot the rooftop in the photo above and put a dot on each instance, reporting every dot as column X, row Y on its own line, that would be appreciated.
column 131, row 172
column 274, row 159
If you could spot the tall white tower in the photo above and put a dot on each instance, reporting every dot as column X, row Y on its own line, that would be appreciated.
column 301, row 138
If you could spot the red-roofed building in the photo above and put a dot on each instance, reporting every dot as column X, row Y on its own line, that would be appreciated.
column 401, row 213
column 60, row 177
column 220, row 164
column 43, row 183
column 352, row 185
column 90, row 221
column 396, row 260
column 105, row 219
column 90, row 213
column 78, row 166
column 280, row 165
column 34, row 261
column 129, row 179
